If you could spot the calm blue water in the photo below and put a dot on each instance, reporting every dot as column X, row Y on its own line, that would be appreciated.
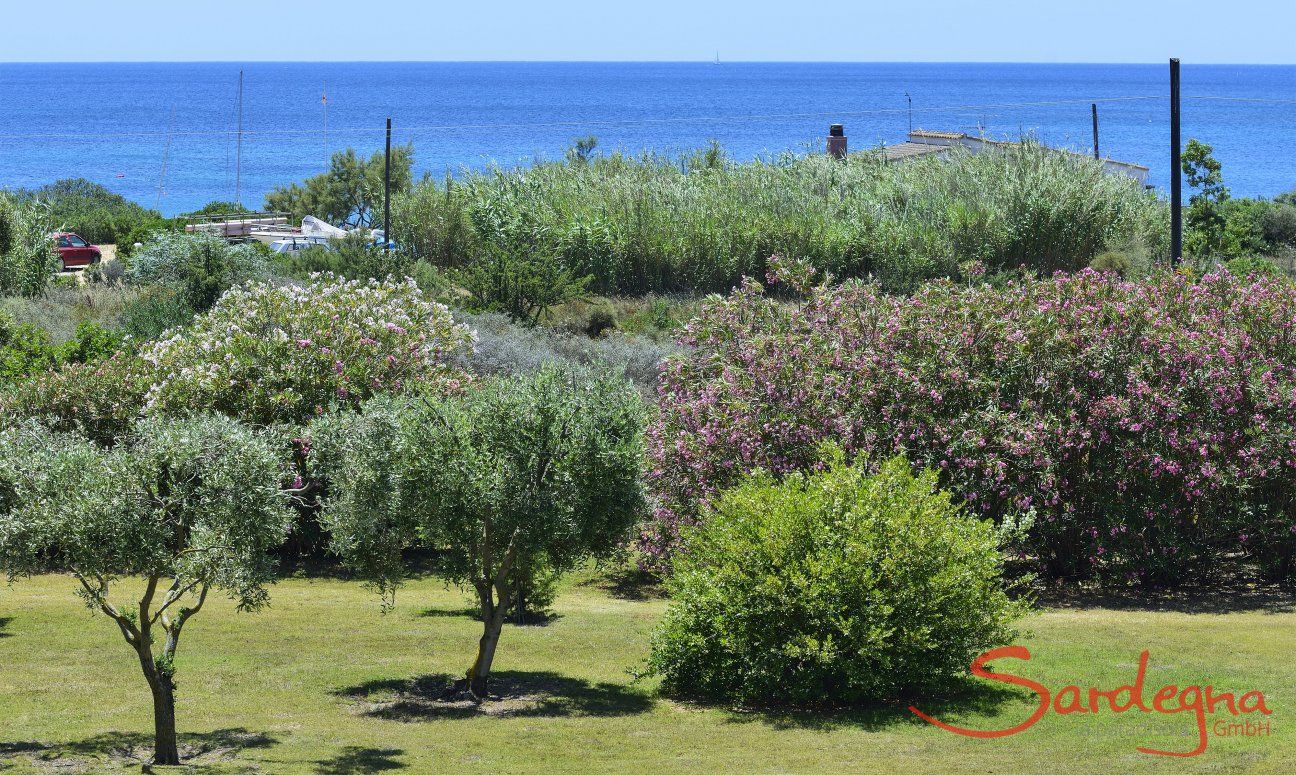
column 110, row 122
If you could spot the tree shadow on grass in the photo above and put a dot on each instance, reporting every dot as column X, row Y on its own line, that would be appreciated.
column 354, row 760
column 4, row 625
column 198, row 750
column 540, row 619
column 1234, row 596
column 971, row 698
column 467, row 612
column 629, row 584
column 512, row 694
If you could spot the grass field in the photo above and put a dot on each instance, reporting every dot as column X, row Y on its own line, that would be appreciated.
column 324, row 682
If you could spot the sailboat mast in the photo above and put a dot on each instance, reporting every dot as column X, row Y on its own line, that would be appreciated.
column 166, row 157
column 238, row 152
column 324, row 99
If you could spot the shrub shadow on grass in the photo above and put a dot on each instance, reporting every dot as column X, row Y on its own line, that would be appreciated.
column 199, row 750
column 629, row 584
column 1234, row 596
column 512, row 694
column 354, row 760
column 975, row 698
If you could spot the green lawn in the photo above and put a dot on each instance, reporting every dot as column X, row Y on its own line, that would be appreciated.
column 324, row 682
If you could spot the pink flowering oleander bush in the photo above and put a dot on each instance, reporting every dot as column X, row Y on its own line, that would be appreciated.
column 1127, row 431
column 280, row 354
column 100, row 400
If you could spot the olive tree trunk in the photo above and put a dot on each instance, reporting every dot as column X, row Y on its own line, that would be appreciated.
column 165, row 750
column 493, row 614
column 162, row 685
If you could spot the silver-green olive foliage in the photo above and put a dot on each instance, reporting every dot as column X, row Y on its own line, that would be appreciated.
column 181, row 509
column 511, row 475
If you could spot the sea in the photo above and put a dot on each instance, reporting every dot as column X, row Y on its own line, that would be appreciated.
column 167, row 135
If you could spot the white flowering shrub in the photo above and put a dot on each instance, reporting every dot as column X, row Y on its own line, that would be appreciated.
column 276, row 354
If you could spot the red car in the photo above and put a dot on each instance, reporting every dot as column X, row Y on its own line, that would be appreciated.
column 76, row 252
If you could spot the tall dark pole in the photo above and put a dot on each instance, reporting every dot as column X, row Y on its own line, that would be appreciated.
column 387, row 190
column 1095, row 118
column 907, row 97
column 1176, row 170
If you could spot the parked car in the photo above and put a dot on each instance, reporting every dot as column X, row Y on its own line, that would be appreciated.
column 297, row 244
column 75, row 252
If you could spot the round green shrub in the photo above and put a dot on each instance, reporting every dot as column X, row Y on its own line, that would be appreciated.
column 156, row 310
column 1247, row 266
column 834, row 587
column 200, row 266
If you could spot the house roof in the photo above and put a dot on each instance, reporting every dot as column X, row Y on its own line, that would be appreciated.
column 919, row 135
column 938, row 135
column 910, row 150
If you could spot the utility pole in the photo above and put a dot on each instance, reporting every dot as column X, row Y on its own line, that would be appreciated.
column 1095, row 123
column 387, row 190
column 238, row 153
column 910, row 99
column 1176, row 170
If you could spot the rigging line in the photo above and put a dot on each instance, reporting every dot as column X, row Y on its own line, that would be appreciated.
column 620, row 122
column 1264, row 100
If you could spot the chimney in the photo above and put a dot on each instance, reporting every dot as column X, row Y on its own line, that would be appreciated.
column 836, row 141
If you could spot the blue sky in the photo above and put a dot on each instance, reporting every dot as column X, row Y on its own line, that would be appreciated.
column 1198, row 31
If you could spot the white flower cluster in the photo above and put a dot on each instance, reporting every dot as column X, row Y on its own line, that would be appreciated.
column 275, row 353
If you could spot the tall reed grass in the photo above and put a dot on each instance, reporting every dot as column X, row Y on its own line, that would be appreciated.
column 702, row 222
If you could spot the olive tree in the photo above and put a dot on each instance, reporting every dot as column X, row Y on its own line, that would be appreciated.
column 180, row 509
column 511, row 478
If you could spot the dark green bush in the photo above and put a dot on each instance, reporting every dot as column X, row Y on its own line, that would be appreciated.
column 599, row 321
column 26, row 349
column 8, row 225
column 91, row 342
column 218, row 207
column 1279, row 224
column 199, row 266
column 354, row 257
column 832, row 587
column 1252, row 265
column 158, row 308
column 90, row 210
column 141, row 233
column 520, row 284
